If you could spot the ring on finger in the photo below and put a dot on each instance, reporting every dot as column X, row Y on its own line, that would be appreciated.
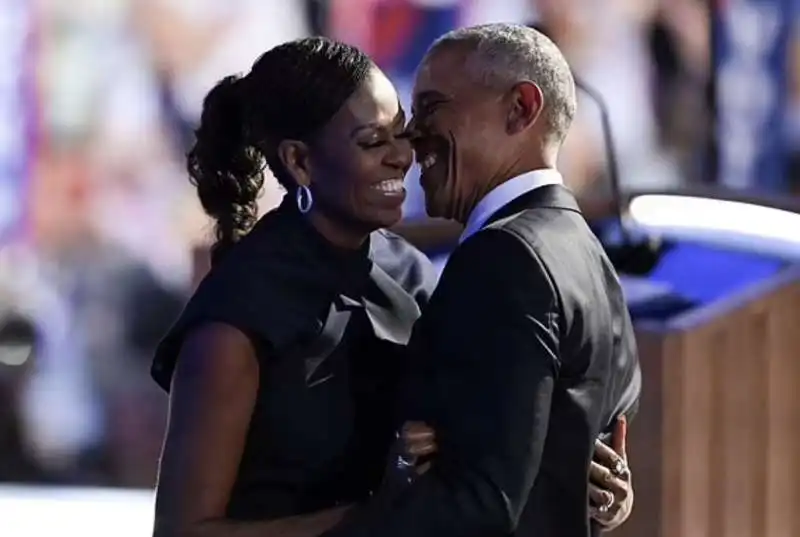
column 606, row 506
column 620, row 469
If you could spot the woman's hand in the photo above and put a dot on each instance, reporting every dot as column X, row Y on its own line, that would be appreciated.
column 610, row 487
column 417, row 440
column 414, row 440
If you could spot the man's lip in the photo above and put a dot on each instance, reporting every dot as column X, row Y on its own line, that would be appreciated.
column 432, row 144
column 421, row 157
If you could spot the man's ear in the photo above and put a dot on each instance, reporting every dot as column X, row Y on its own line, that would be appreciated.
column 525, row 106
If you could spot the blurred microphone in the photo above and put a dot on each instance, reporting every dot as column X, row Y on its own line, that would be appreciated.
column 630, row 254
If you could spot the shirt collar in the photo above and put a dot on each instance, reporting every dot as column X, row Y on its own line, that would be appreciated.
column 505, row 193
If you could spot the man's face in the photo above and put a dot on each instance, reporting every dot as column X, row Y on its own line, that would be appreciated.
column 459, row 133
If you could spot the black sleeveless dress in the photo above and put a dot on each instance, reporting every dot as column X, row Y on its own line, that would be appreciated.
column 330, row 328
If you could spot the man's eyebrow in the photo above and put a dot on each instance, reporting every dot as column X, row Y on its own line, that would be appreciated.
column 425, row 97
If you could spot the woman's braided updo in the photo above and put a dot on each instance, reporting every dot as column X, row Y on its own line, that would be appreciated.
column 291, row 92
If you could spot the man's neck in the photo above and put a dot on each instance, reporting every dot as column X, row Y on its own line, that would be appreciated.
column 534, row 162
column 505, row 193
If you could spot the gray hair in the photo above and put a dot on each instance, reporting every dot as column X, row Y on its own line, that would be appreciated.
column 500, row 55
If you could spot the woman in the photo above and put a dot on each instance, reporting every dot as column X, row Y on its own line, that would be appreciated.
column 282, row 368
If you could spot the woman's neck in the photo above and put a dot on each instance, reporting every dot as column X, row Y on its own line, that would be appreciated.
column 337, row 233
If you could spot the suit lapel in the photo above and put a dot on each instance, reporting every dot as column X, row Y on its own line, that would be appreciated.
column 545, row 197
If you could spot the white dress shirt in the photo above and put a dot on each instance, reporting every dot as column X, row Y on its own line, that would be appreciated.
column 505, row 193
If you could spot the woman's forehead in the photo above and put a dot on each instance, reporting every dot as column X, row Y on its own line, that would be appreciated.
column 376, row 101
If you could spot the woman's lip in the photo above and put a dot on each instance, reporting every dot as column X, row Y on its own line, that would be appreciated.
column 390, row 187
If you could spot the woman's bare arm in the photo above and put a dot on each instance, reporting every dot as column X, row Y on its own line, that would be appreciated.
column 213, row 394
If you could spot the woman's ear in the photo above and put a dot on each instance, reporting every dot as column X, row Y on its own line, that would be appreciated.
column 295, row 157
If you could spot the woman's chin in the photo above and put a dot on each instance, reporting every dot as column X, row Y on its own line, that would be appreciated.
column 384, row 218
column 391, row 218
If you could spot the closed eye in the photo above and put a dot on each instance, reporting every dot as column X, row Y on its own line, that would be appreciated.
column 428, row 109
column 376, row 143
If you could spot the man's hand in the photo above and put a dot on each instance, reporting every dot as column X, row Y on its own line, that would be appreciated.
column 610, row 487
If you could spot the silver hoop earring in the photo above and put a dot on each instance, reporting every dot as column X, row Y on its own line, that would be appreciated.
column 304, row 199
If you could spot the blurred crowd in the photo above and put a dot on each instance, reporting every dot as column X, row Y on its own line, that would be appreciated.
column 100, row 261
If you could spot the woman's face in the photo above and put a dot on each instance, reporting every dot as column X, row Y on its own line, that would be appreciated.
column 360, row 159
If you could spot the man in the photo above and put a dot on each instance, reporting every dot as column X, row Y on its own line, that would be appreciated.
column 525, row 353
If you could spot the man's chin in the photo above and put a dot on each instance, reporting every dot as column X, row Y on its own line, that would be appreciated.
column 435, row 206
column 437, row 192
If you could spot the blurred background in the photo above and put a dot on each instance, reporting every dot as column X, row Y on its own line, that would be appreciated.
column 99, row 225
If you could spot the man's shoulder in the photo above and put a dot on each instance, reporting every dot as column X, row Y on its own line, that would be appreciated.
column 535, row 225
column 497, row 256
column 493, row 241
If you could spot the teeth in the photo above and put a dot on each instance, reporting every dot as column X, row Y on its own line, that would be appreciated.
column 390, row 185
column 428, row 161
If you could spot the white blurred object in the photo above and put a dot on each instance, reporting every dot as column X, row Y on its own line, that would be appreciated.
column 256, row 26
column 620, row 71
column 434, row 3
column 58, row 414
column 128, row 111
column 732, row 224
column 16, row 354
column 487, row 11
column 641, row 290
column 57, row 410
column 37, row 511
column 605, row 44
column 16, row 105
column 141, row 217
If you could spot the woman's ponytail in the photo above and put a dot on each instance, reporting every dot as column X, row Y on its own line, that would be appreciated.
column 225, row 166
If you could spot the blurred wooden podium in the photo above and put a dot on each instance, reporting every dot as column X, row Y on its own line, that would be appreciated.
column 715, row 448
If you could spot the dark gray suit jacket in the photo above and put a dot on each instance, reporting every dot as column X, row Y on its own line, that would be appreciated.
column 523, row 356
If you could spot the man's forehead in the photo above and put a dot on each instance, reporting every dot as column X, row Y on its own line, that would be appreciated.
column 441, row 72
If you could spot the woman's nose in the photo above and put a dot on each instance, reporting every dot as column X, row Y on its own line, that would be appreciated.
column 401, row 155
